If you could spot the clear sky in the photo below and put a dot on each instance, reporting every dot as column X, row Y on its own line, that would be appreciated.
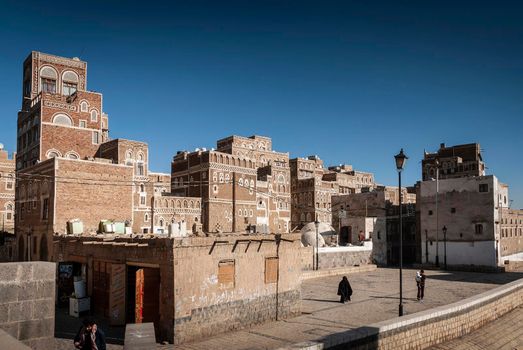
column 350, row 81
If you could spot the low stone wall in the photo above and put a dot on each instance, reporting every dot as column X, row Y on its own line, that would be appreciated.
column 208, row 321
column 427, row 328
column 27, row 298
column 306, row 275
column 343, row 257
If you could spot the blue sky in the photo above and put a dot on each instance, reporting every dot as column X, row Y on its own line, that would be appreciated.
column 350, row 81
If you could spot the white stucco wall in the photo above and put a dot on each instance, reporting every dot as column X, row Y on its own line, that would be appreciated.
column 481, row 253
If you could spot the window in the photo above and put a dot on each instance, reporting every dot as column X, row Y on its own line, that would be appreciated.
column 84, row 106
column 479, row 229
column 94, row 115
column 45, row 209
column 240, row 212
column 146, row 218
column 82, row 123
column 72, row 155
column 62, row 119
column 49, row 85
column 139, row 169
column 271, row 270
column 453, row 210
column 430, row 212
column 68, row 89
column 226, row 273
column 53, row 154
column 483, row 187
column 96, row 138
column 142, row 200
column 9, row 183
column 27, row 88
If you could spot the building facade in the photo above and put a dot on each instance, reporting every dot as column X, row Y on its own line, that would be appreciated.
column 313, row 186
column 71, row 173
column 273, row 182
column 460, row 221
column 452, row 162
column 373, row 216
column 7, row 191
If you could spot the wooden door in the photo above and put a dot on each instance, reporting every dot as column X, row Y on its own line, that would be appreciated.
column 147, row 306
column 117, row 295
column 139, row 294
column 151, row 295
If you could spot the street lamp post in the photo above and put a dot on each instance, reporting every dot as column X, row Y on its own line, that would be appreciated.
column 437, row 214
column 445, row 246
column 400, row 159
column 317, row 224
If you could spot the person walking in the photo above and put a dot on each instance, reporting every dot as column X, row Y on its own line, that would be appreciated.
column 420, row 282
column 344, row 290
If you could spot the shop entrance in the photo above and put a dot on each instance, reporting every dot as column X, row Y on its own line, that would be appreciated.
column 345, row 235
column 143, row 295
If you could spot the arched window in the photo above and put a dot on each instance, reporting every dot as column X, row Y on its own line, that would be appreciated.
column 252, row 183
column 185, row 204
column 94, row 115
column 84, row 106
column 48, row 77
column 142, row 188
column 240, row 181
column 62, row 119
column 146, row 217
column 161, row 222
column 52, row 153
column 72, row 155
column 69, row 83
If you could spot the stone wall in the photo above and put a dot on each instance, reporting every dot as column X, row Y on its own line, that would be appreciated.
column 340, row 257
column 261, row 283
column 427, row 328
column 27, row 302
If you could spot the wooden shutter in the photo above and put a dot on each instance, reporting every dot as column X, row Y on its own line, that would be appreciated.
column 271, row 270
column 226, row 272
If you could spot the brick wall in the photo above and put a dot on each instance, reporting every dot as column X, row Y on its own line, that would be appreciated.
column 27, row 302
column 425, row 329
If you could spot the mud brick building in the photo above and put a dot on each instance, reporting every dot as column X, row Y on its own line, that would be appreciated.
column 373, row 216
column 452, row 162
column 464, row 216
column 225, row 183
column 273, row 183
column 312, row 187
column 7, row 191
column 240, row 280
column 68, row 167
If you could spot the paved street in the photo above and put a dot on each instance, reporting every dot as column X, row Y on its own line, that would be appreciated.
column 375, row 299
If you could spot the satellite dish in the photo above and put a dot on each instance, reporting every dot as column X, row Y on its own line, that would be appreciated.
column 1, row 146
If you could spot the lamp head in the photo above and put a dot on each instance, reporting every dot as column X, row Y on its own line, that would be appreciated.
column 444, row 229
column 400, row 158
